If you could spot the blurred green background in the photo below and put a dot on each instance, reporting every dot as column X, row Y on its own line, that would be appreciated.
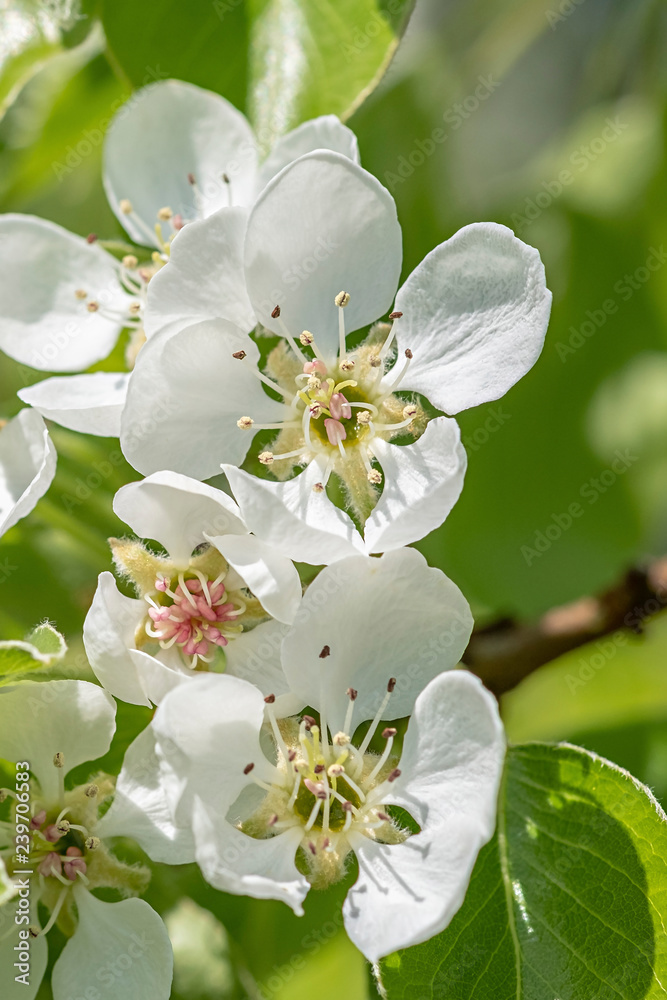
column 545, row 115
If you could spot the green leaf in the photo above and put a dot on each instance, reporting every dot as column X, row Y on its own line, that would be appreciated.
column 41, row 648
column 569, row 900
column 310, row 59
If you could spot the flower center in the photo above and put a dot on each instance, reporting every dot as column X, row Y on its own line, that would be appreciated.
column 329, row 788
column 194, row 614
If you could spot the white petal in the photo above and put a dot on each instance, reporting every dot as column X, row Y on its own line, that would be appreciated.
column 139, row 808
column 475, row 313
column 91, row 404
column 205, row 278
column 453, row 754
column 381, row 618
column 158, row 675
column 234, row 862
column 37, row 721
column 38, row 951
column 178, row 512
column 422, row 482
column 185, row 397
column 271, row 576
column 322, row 226
column 108, row 635
column 27, row 466
column 255, row 657
column 303, row 525
column 42, row 322
column 123, row 948
column 166, row 131
column 451, row 768
column 207, row 731
column 325, row 132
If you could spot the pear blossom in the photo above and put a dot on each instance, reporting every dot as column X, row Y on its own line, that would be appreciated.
column 55, row 851
column 279, row 803
column 27, row 466
column 174, row 154
column 202, row 606
column 322, row 258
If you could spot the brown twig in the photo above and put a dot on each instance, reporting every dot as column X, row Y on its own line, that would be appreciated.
column 505, row 652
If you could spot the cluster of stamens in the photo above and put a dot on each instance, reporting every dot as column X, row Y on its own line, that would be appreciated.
column 196, row 616
column 328, row 787
column 337, row 405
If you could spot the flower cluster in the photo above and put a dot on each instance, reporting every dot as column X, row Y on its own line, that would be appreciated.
column 268, row 341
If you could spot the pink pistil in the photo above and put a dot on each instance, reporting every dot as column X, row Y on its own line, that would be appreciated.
column 339, row 407
column 335, row 431
column 51, row 862
column 192, row 619
column 38, row 820
column 316, row 367
column 73, row 862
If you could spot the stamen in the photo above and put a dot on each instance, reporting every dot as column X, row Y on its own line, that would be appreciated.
column 241, row 356
column 401, row 375
column 313, row 815
column 378, row 716
column 390, row 336
column 55, row 911
column 347, row 726
column 286, row 334
column 341, row 300
column 389, row 736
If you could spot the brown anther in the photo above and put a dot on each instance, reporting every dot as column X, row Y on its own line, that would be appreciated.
column 92, row 843
column 225, row 178
column 311, row 847
column 92, row 307
column 266, row 457
column 91, row 238
column 318, row 769
column 374, row 477
column 347, row 807
column 352, row 694
column 395, row 315
column 59, row 759
column 34, row 931
column 325, row 652
column 273, row 819
column 245, row 423
column 388, row 732
column 318, row 487
column 191, row 179
column 239, row 355
column 391, row 684
column 310, row 721
column 291, row 755
column 408, row 353
column 396, row 773
column 275, row 312
column 248, row 768
column 80, row 293
column 270, row 698
column 342, row 299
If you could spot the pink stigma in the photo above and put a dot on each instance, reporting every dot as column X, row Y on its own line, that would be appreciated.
column 335, row 431
column 315, row 367
column 339, row 407
column 191, row 621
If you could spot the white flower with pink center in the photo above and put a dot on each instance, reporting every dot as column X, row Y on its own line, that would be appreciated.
column 321, row 260
column 211, row 600
column 277, row 803
column 56, row 841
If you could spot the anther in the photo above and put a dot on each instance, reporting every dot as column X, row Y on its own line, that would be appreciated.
column 364, row 417
column 389, row 731
column 248, row 768
column 275, row 312
column 341, row 739
column 92, row 843
column 63, row 827
column 342, row 299
column 410, row 411
column 325, row 843
column 245, row 423
column 191, row 179
column 314, row 384
column 129, row 261
column 318, row 487
column 164, row 214
column 311, row 847
column 375, row 361
column 270, row 698
column 125, row 206
column 306, row 338
column 374, row 477
column 347, row 806
column 34, row 931
column 273, row 819
column 266, row 457
column 91, row 238
column 291, row 756
column 335, row 770
column 395, row 315
column 318, row 769
column 239, row 355
column 80, row 293
column 135, row 308
column 396, row 773
column 59, row 759
column 156, row 256
column 310, row 722
column 316, row 410
column 92, row 307
column 325, row 652
column 316, row 788
column 352, row 694
column 391, row 684
column 408, row 353
column 226, row 179
column 384, row 817
column 346, row 365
